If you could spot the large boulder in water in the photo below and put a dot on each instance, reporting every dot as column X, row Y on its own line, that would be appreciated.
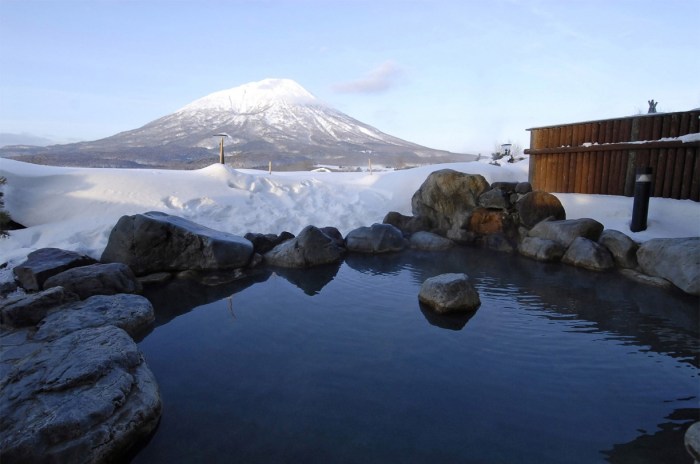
column 447, row 198
column 154, row 242
column 449, row 293
column 674, row 259
column 46, row 262
column 311, row 247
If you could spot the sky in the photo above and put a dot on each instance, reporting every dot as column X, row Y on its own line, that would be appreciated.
column 76, row 208
column 464, row 76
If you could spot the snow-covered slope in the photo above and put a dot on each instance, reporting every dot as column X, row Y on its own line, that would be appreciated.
column 271, row 120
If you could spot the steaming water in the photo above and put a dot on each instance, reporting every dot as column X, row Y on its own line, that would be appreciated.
column 340, row 364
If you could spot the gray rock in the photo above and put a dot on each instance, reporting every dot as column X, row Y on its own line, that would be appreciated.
column 566, row 231
column 26, row 310
column 692, row 441
column 588, row 254
column 541, row 249
column 379, row 238
column 407, row 224
column 506, row 187
column 535, row 207
column 310, row 248
column 46, row 262
column 622, row 248
column 154, row 242
column 674, row 259
column 494, row 199
column 83, row 397
column 262, row 243
column 96, row 279
column 335, row 234
column 430, row 242
column 449, row 293
column 447, row 197
column 132, row 313
column 523, row 188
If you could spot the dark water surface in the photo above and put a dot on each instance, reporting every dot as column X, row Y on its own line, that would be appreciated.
column 340, row 364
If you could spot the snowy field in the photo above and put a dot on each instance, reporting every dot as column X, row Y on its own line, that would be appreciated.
column 76, row 208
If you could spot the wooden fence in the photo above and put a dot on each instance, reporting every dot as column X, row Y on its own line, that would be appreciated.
column 601, row 156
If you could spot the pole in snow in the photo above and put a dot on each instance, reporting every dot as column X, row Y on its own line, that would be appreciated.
column 642, row 192
column 221, row 147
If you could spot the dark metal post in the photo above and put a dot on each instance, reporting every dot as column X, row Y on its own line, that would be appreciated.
column 642, row 192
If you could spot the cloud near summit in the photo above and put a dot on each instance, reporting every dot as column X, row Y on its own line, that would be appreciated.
column 380, row 79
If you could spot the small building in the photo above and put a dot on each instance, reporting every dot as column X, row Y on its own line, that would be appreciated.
column 601, row 157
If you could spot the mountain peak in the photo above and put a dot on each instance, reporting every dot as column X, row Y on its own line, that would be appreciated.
column 253, row 97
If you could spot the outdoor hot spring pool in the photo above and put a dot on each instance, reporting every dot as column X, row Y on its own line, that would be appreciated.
column 339, row 364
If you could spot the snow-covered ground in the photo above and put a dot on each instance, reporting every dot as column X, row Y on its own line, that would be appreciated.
column 76, row 208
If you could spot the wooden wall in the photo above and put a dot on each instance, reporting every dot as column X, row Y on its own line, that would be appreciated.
column 600, row 157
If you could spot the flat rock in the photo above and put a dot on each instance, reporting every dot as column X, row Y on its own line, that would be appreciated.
column 46, row 262
column 27, row 310
column 84, row 397
column 565, row 232
column 155, row 242
column 674, row 259
column 447, row 293
column 132, row 313
column 96, row 279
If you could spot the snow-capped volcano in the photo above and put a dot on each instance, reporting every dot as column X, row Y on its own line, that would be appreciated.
column 270, row 120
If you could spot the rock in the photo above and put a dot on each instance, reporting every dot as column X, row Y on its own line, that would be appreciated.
column 495, row 198
column 335, row 234
column 675, row 259
column 157, row 278
column 506, row 187
column 430, row 242
column 449, row 293
column 132, row 313
column 46, row 262
column 489, row 221
column 588, row 254
column 535, row 207
column 84, row 397
column 262, row 243
column 154, row 242
column 26, row 310
column 523, row 188
column 7, row 287
column 541, row 249
column 310, row 248
column 446, row 198
column 622, row 248
column 566, row 231
column 692, row 441
column 407, row 224
column 96, row 279
column 379, row 238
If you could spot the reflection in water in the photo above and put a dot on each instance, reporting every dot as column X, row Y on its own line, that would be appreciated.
column 663, row 446
column 455, row 321
column 558, row 359
column 311, row 280
column 181, row 295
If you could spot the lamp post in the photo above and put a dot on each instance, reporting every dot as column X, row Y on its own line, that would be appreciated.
column 221, row 147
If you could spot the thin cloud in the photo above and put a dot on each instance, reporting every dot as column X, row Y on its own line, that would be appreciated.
column 380, row 79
